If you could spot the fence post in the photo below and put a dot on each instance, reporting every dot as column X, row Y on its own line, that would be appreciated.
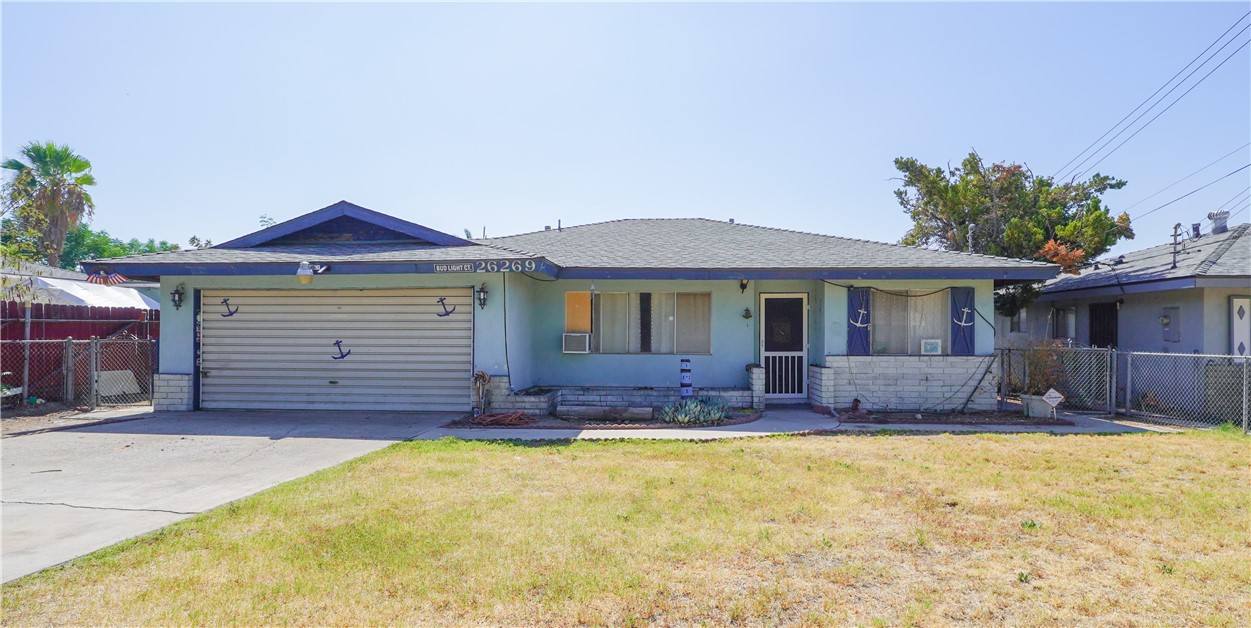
column 26, row 359
column 69, row 371
column 1003, row 380
column 1111, row 382
column 1244, row 395
column 94, row 370
column 1129, row 383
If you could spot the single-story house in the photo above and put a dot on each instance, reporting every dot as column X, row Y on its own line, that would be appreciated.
column 1190, row 297
column 348, row 308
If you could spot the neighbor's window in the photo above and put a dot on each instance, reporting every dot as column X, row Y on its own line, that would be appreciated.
column 1018, row 323
column 903, row 320
column 1064, row 322
column 644, row 322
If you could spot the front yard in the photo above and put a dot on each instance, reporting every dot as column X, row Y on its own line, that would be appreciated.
column 890, row 529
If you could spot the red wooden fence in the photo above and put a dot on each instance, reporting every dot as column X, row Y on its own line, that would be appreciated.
column 58, row 322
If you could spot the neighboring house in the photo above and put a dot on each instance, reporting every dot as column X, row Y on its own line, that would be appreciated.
column 347, row 308
column 1193, row 297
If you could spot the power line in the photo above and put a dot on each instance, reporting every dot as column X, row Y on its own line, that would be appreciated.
column 1170, row 106
column 1173, row 184
column 1198, row 189
column 1236, row 197
column 1153, row 95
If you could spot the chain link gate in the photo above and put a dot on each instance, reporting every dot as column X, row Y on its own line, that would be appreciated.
column 1083, row 375
column 78, row 373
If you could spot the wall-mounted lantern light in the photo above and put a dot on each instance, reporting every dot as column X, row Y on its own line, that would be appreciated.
column 306, row 271
column 1165, row 320
column 747, row 313
column 481, row 293
column 176, row 296
column 742, row 286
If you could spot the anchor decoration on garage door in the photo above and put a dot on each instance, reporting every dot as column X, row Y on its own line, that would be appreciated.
column 229, row 311
column 338, row 344
column 446, row 312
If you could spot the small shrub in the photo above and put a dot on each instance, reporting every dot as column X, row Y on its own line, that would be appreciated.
column 1023, row 576
column 694, row 412
column 1029, row 524
column 1166, row 570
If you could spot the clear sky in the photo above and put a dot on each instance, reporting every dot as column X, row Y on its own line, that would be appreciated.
column 200, row 118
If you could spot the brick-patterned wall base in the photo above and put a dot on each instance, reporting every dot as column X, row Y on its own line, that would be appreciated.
column 905, row 382
column 172, row 392
column 756, row 374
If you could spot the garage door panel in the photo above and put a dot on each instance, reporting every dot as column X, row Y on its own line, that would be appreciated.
column 277, row 351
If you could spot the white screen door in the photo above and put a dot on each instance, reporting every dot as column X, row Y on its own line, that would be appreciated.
column 784, row 345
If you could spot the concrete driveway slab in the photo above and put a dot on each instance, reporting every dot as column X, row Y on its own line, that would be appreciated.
column 72, row 492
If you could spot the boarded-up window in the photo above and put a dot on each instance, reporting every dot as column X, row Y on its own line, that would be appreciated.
column 577, row 312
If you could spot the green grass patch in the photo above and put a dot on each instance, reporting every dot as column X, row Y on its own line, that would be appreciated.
column 890, row 529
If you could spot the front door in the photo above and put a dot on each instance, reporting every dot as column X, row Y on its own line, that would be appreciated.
column 1103, row 325
column 784, row 345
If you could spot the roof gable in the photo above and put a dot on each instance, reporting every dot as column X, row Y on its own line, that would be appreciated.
column 345, row 222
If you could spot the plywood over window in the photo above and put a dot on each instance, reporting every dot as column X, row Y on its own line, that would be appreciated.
column 577, row 312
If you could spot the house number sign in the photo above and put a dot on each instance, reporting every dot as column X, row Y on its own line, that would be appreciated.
column 493, row 266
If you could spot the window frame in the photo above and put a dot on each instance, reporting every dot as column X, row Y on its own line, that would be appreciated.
column 595, row 340
column 909, row 296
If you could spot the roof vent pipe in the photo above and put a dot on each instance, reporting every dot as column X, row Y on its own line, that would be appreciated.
column 547, row 227
column 1220, row 221
column 558, row 225
column 1194, row 230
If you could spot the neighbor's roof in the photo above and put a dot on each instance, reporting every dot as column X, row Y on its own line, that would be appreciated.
column 680, row 243
column 1221, row 255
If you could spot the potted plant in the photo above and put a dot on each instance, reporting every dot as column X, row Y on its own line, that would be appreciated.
column 1044, row 371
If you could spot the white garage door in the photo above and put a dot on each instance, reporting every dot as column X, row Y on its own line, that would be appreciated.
column 408, row 349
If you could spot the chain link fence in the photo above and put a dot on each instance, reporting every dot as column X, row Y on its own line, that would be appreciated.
column 1186, row 389
column 77, row 373
column 1179, row 389
column 1082, row 375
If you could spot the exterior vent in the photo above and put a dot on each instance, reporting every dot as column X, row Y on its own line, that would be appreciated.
column 1220, row 221
column 576, row 343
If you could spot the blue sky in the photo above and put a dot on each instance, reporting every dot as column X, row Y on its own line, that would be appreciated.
column 200, row 118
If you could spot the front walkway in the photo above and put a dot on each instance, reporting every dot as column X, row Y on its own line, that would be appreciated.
column 778, row 420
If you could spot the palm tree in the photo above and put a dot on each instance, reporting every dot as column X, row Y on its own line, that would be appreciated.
column 51, row 183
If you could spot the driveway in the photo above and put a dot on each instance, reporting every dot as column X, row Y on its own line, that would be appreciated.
column 72, row 492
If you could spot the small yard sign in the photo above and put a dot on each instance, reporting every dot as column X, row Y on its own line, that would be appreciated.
column 1053, row 397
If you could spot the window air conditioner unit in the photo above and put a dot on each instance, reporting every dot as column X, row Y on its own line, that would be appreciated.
column 577, row 343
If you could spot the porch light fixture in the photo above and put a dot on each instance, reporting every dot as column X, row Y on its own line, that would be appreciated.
column 175, row 297
column 481, row 293
column 306, row 272
column 1165, row 320
column 742, row 286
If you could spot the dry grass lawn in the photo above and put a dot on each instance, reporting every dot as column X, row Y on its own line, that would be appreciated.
column 880, row 530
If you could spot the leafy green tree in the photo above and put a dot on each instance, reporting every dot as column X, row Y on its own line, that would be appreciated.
column 1005, row 210
column 49, row 195
column 82, row 243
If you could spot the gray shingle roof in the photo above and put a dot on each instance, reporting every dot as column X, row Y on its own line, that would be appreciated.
column 653, row 243
column 1214, row 255
column 325, row 253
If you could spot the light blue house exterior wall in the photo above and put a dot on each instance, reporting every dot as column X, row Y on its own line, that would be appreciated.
column 528, row 349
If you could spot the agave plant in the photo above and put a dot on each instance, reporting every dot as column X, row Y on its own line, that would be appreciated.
column 701, row 411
